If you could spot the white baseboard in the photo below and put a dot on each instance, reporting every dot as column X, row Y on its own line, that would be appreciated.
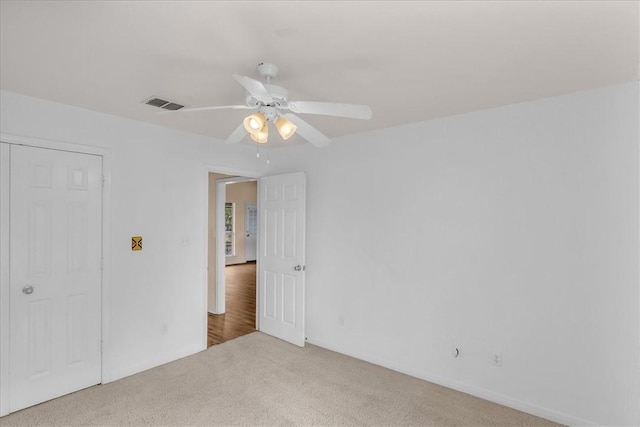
column 117, row 374
column 482, row 393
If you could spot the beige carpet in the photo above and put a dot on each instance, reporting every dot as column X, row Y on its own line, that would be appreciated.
column 259, row 380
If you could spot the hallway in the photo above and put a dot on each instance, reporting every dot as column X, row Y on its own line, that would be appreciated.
column 240, row 316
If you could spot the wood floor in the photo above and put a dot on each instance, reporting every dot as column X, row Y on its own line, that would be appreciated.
column 240, row 316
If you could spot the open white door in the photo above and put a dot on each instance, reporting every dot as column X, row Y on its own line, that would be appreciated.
column 281, row 258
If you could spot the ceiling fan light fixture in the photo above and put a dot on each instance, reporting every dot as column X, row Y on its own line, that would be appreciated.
column 261, row 136
column 268, row 102
column 255, row 123
column 286, row 129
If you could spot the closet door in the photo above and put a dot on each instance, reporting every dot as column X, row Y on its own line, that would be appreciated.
column 55, row 273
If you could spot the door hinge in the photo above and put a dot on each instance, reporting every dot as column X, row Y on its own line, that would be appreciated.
column 102, row 181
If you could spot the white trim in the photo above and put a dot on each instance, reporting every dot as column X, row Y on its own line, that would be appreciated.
column 238, row 173
column 204, row 322
column 236, row 180
column 143, row 364
column 221, row 261
column 482, row 393
column 107, row 366
column 4, row 278
column 637, row 136
column 105, row 153
column 204, row 334
column 54, row 145
column 219, row 288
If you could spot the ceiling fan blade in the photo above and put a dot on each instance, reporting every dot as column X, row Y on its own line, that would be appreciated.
column 220, row 107
column 354, row 111
column 255, row 88
column 308, row 132
column 237, row 135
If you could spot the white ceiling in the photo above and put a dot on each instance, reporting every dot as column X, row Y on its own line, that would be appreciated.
column 410, row 61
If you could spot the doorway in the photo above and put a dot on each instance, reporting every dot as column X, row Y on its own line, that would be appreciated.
column 231, row 259
column 280, row 287
column 239, row 317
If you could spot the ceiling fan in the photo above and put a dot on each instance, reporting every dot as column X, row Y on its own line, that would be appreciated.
column 273, row 106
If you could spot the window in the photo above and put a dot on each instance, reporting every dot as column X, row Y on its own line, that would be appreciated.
column 229, row 229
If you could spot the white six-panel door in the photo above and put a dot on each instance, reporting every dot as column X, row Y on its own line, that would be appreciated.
column 55, row 273
column 281, row 258
column 250, row 232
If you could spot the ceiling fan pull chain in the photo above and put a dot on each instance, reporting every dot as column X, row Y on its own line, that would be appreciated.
column 258, row 151
column 268, row 157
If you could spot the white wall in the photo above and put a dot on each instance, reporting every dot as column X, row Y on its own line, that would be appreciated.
column 511, row 230
column 523, row 239
column 155, row 299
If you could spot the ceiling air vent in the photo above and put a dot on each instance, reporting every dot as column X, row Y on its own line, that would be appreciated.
column 163, row 103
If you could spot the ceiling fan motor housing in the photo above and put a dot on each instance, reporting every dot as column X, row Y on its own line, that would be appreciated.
column 267, row 70
column 270, row 113
column 278, row 93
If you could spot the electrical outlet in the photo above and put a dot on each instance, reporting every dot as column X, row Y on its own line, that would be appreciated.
column 496, row 359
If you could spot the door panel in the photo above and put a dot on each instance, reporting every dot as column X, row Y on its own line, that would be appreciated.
column 40, row 338
column 289, row 299
column 270, row 299
column 39, row 232
column 281, row 256
column 77, row 236
column 77, row 338
column 55, row 273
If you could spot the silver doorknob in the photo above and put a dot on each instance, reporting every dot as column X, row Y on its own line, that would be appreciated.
column 27, row 290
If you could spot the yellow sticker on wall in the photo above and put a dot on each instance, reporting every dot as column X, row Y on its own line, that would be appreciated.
column 136, row 243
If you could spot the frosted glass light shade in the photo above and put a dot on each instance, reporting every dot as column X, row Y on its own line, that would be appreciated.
column 261, row 136
column 286, row 129
column 254, row 123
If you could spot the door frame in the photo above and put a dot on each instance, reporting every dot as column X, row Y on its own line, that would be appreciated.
column 221, row 262
column 238, row 175
column 105, row 154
